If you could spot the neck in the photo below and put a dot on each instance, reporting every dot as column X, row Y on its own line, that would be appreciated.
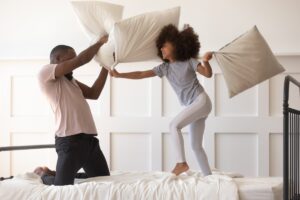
column 171, row 60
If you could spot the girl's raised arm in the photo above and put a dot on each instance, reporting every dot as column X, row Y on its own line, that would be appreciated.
column 205, row 69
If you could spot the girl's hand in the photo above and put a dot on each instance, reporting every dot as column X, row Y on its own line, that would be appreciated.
column 114, row 73
column 207, row 56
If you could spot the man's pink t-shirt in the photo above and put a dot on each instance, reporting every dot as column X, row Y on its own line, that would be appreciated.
column 71, row 110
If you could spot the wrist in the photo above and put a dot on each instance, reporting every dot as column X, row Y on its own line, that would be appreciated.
column 99, row 43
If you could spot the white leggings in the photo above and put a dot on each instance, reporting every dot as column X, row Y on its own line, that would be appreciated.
column 193, row 115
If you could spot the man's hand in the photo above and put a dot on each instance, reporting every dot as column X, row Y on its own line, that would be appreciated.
column 103, row 39
column 207, row 56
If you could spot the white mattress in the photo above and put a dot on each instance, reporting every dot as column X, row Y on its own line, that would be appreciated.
column 260, row 188
column 147, row 185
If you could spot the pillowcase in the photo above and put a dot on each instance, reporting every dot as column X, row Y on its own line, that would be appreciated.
column 246, row 62
column 97, row 18
column 135, row 37
column 130, row 40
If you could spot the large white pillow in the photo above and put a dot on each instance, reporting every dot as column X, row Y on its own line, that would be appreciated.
column 247, row 61
column 96, row 17
column 132, row 39
column 135, row 37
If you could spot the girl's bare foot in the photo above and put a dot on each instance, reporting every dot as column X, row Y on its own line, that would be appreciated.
column 180, row 168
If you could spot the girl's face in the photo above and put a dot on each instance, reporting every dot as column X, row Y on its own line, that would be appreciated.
column 167, row 51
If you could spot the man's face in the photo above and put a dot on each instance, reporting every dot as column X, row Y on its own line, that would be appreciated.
column 69, row 54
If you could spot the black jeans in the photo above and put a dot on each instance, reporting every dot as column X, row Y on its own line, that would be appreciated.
column 76, row 152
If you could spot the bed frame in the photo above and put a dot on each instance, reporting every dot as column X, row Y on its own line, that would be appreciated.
column 14, row 148
column 291, row 161
column 291, row 151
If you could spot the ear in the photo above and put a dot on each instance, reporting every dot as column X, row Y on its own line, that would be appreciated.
column 57, row 58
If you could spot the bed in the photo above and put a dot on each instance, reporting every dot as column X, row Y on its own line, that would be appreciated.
column 291, row 161
column 163, row 185
column 147, row 185
column 144, row 185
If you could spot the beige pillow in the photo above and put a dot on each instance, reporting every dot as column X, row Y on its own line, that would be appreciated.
column 247, row 61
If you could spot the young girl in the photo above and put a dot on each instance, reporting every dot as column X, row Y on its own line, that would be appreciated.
column 179, row 50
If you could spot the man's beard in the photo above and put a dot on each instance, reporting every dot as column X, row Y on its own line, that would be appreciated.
column 69, row 76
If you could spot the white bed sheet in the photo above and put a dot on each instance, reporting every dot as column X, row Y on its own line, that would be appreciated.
column 144, row 185
column 260, row 188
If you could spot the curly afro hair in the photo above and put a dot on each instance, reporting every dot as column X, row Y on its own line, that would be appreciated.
column 186, row 42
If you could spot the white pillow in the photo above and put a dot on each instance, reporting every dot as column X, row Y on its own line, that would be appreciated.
column 135, row 37
column 132, row 39
column 105, row 55
column 96, row 17
column 247, row 61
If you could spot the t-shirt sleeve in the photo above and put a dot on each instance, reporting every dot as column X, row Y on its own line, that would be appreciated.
column 47, row 74
column 161, row 70
column 194, row 63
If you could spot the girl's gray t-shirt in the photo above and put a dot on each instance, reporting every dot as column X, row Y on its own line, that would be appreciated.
column 183, row 79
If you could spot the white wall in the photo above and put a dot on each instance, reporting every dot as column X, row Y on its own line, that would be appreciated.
column 29, row 29
column 243, row 134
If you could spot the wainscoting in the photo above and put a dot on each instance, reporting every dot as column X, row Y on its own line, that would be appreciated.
column 243, row 134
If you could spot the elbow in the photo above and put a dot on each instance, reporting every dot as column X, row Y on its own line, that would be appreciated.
column 95, row 96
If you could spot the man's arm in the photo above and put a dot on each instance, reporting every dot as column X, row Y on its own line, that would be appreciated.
column 94, row 91
column 83, row 58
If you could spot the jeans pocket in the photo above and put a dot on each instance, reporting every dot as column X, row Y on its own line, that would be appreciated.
column 67, row 146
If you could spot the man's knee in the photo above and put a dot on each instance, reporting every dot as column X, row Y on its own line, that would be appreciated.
column 60, row 181
column 47, row 179
column 65, row 176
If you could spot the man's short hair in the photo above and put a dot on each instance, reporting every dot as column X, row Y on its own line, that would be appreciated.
column 59, row 49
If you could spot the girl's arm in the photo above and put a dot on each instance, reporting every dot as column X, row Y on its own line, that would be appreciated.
column 133, row 75
column 205, row 69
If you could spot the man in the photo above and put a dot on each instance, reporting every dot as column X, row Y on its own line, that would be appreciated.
column 75, row 141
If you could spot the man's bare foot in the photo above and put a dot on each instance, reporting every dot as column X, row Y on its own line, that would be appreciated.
column 49, row 172
column 44, row 170
column 180, row 168
column 39, row 171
